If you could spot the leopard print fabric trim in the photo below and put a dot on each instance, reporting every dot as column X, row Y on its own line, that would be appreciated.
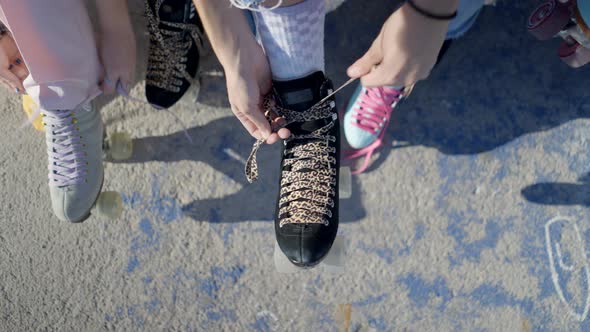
column 309, row 187
column 167, row 60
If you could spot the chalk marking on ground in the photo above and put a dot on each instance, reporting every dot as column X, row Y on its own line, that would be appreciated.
column 555, row 276
column 562, row 264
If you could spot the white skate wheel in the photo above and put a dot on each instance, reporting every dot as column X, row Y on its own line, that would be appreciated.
column 345, row 185
column 191, row 96
column 120, row 146
column 573, row 54
column 282, row 263
column 109, row 205
column 336, row 258
column 548, row 19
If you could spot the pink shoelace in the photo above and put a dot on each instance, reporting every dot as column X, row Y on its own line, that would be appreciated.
column 375, row 106
column 372, row 115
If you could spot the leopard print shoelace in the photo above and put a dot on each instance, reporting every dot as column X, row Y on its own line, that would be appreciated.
column 308, row 189
column 167, row 58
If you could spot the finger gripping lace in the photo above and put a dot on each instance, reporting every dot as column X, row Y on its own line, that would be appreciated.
column 65, row 149
column 168, row 51
column 308, row 184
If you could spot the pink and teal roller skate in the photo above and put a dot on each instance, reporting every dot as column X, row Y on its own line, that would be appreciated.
column 568, row 20
column 369, row 111
column 366, row 119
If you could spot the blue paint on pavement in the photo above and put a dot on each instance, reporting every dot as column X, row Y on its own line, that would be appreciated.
column 387, row 254
column 421, row 291
column 371, row 300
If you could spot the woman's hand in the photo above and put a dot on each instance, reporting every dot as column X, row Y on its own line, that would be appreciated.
column 117, row 48
column 248, row 81
column 13, row 70
column 404, row 52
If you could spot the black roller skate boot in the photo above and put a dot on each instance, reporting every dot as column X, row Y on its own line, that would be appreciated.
column 306, row 217
column 176, row 32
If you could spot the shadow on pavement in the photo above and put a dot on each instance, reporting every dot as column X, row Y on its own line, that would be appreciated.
column 559, row 193
column 494, row 85
column 225, row 149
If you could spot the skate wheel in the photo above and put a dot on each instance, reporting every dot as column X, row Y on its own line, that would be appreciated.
column 282, row 263
column 568, row 47
column 573, row 54
column 30, row 107
column 345, row 185
column 548, row 19
column 191, row 96
column 336, row 258
column 119, row 146
column 109, row 205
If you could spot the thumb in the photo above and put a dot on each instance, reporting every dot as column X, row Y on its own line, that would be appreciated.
column 362, row 66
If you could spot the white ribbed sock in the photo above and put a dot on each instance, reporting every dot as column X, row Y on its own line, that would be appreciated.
column 293, row 38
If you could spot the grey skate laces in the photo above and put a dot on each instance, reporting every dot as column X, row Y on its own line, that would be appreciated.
column 308, row 188
column 65, row 147
column 167, row 56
